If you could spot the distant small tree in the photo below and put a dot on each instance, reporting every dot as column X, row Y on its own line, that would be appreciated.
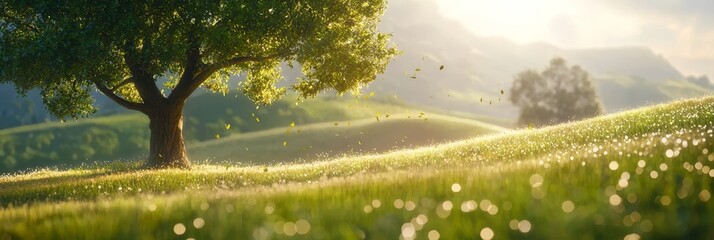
column 67, row 49
column 558, row 94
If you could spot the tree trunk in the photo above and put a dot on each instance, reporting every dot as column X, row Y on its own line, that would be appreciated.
column 167, row 149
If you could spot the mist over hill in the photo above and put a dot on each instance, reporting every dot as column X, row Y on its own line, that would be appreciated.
column 475, row 70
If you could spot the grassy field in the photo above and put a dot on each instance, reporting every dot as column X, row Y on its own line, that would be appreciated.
column 207, row 117
column 638, row 174
column 323, row 141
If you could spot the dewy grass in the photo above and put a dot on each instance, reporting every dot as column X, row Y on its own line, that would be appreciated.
column 639, row 174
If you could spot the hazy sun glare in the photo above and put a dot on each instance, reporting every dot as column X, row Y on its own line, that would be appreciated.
column 670, row 28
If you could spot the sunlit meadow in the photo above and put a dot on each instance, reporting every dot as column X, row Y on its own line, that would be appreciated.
column 639, row 174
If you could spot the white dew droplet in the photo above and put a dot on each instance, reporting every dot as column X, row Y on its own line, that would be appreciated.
column 421, row 219
column 704, row 195
column 398, row 204
column 632, row 236
column 625, row 176
column 409, row 206
column 486, row 233
column 513, row 224
column 663, row 167
column 492, row 210
column 469, row 206
column 665, row 200
column 567, row 206
column 367, row 209
column 615, row 200
column 613, row 165
column 376, row 203
column 408, row 231
column 269, row 208
column 641, row 163
column 455, row 187
column 485, row 204
column 433, row 235
column 198, row 223
column 289, row 228
column 179, row 229
column 536, row 180
column 447, row 205
column 669, row 153
column 524, row 226
column 303, row 226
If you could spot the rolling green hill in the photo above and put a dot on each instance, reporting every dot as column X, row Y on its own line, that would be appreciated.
column 645, row 173
column 207, row 117
column 326, row 140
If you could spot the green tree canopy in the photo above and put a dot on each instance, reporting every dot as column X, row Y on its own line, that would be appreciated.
column 558, row 94
column 67, row 49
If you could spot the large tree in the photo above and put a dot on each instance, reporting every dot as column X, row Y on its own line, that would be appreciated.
column 69, row 48
column 558, row 94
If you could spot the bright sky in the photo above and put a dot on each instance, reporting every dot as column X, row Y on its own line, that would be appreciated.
column 681, row 30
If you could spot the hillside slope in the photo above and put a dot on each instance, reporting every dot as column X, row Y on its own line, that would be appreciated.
column 226, row 120
column 645, row 173
column 320, row 141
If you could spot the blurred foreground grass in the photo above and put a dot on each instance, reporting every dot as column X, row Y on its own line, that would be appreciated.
column 638, row 174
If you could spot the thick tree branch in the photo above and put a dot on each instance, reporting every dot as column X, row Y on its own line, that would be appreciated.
column 122, row 83
column 193, row 58
column 119, row 100
column 143, row 80
column 187, row 85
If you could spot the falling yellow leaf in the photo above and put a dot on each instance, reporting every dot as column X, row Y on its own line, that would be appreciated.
column 285, row 143
column 441, row 68
column 257, row 120
column 359, row 142
column 228, row 126
column 501, row 91
column 218, row 136
column 292, row 124
column 371, row 94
